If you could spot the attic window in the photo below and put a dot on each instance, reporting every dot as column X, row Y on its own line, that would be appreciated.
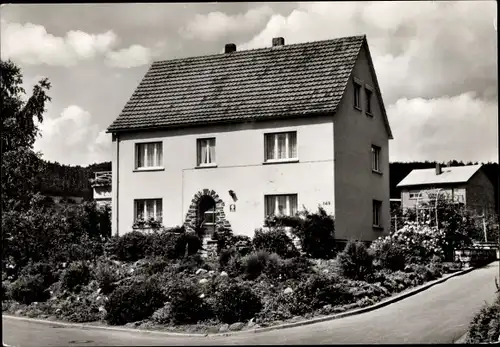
column 368, row 100
column 357, row 95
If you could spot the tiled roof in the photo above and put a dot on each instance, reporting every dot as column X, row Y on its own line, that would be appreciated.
column 455, row 174
column 289, row 80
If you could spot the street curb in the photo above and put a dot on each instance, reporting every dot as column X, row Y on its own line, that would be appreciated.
column 259, row 330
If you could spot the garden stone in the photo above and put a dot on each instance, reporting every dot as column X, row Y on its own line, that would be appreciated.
column 43, row 316
column 236, row 326
column 203, row 281
column 325, row 271
column 201, row 271
column 251, row 323
column 58, row 311
column 213, row 329
column 296, row 318
column 224, row 328
column 52, row 318
column 327, row 307
column 202, row 295
column 223, row 274
column 211, row 273
column 19, row 312
column 288, row 290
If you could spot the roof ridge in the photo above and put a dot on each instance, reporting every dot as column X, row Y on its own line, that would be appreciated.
column 159, row 62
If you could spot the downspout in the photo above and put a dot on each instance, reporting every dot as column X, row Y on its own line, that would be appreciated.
column 117, row 182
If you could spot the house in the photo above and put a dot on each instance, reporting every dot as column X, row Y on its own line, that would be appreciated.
column 467, row 185
column 233, row 137
column 101, row 187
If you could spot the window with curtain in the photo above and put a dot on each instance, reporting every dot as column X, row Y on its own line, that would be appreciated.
column 280, row 146
column 368, row 100
column 206, row 151
column 280, row 205
column 148, row 155
column 146, row 209
column 376, row 213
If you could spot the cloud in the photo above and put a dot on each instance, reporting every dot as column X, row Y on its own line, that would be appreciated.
column 31, row 44
column 135, row 55
column 462, row 127
column 74, row 136
column 215, row 25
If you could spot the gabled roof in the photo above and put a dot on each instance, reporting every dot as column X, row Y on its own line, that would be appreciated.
column 455, row 174
column 282, row 81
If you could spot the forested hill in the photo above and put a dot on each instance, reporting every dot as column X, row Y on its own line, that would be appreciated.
column 65, row 180
column 399, row 170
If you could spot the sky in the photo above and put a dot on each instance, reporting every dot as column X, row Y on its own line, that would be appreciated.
column 436, row 63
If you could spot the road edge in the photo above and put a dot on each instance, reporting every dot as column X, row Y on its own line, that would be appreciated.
column 378, row 305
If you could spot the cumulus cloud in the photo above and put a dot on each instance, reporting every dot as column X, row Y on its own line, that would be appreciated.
column 73, row 136
column 135, row 55
column 214, row 25
column 461, row 127
column 32, row 44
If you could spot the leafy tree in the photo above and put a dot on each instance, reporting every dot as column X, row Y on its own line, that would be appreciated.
column 20, row 165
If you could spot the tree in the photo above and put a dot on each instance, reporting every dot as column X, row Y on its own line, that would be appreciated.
column 20, row 164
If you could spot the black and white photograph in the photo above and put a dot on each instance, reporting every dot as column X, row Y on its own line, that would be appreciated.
column 255, row 173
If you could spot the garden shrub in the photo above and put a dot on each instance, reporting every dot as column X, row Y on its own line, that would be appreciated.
column 485, row 326
column 162, row 315
column 320, row 290
column 28, row 289
column 235, row 302
column 261, row 261
column 275, row 241
column 355, row 261
column 316, row 232
column 45, row 270
column 77, row 274
column 106, row 276
column 186, row 306
column 295, row 268
column 388, row 255
column 278, row 307
column 234, row 266
column 80, row 311
column 133, row 302
column 190, row 263
column 131, row 246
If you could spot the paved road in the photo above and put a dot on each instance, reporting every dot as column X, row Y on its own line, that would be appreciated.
column 440, row 314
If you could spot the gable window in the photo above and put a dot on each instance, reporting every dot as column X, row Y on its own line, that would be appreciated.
column 376, row 158
column 280, row 205
column 414, row 195
column 147, row 209
column 368, row 100
column 376, row 213
column 148, row 155
column 206, row 152
column 280, row 146
column 357, row 95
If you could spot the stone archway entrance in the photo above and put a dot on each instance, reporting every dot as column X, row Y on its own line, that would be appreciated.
column 207, row 206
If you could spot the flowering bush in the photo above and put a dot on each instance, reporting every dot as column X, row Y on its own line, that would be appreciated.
column 419, row 242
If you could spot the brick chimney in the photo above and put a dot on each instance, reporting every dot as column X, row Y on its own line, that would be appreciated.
column 278, row 41
column 439, row 171
column 229, row 48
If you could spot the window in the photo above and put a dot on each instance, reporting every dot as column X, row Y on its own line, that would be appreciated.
column 146, row 209
column 148, row 155
column 376, row 158
column 414, row 195
column 368, row 100
column 285, row 205
column 206, row 152
column 357, row 95
column 376, row 213
column 281, row 146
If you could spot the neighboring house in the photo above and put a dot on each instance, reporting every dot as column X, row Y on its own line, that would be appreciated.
column 230, row 138
column 101, row 187
column 463, row 184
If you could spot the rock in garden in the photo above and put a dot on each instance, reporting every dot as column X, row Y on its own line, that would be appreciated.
column 251, row 323
column 223, row 274
column 58, row 311
column 52, row 318
column 201, row 271
column 236, row 326
column 223, row 328
column 203, row 281
column 211, row 273
column 325, row 271
column 19, row 312
column 288, row 290
column 327, row 307
column 202, row 295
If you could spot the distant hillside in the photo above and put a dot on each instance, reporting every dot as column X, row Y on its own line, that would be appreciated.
column 66, row 180
column 399, row 170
